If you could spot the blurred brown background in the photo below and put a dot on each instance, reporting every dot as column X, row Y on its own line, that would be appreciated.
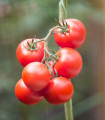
column 21, row 19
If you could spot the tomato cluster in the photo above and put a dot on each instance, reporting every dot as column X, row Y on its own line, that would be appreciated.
column 38, row 81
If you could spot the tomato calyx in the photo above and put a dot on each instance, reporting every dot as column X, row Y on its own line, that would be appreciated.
column 63, row 26
column 32, row 45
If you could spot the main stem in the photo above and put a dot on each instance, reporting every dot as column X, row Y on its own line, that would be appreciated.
column 68, row 110
column 62, row 10
column 62, row 16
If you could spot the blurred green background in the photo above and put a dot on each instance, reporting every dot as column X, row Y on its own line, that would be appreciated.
column 21, row 19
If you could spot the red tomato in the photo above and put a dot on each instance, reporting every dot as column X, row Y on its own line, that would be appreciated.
column 26, row 56
column 25, row 95
column 58, row 91
column 74, row 38
column 69, row 63
column 36, row 76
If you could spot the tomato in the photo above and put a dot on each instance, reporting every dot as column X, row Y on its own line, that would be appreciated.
column 58, row 91
column 25, row 95
column 36, row 76
column 74, row 38
column 69, row 63
column 25, row 56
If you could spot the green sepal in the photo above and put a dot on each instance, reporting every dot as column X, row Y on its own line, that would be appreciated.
column 31, row 46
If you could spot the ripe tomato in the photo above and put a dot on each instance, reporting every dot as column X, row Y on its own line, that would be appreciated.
column 36, row 76
column 25, row 95
column 25, row 56
column 69, row 63
column 74, row 38
column 58, row 91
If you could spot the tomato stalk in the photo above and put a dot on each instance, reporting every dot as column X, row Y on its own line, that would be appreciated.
column 62, row 16
column 46, row 40
column 68, row 110
column 62, row 10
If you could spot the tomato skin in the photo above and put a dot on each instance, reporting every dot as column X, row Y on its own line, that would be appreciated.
column 26, row 95
column 58, row 91
column 69, row 63
column 36, row 76
column 74, row 38
column 26, row 56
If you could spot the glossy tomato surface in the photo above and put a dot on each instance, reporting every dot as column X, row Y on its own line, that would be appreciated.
column 74, row 38
column 26, row 56
column 36, row 76
column 25, row 95
column 69, row 63
column 58, row 91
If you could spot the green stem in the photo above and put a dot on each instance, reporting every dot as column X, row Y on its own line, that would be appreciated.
column 46, row 40
column 62, row 16
column 62, row 10
column 68, row 110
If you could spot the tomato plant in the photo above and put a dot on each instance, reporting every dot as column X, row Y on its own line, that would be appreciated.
column 69, row 63
column 26, row 95
column 36, row 76
column 28, row 52
column 75, row 36
column 58, row 91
